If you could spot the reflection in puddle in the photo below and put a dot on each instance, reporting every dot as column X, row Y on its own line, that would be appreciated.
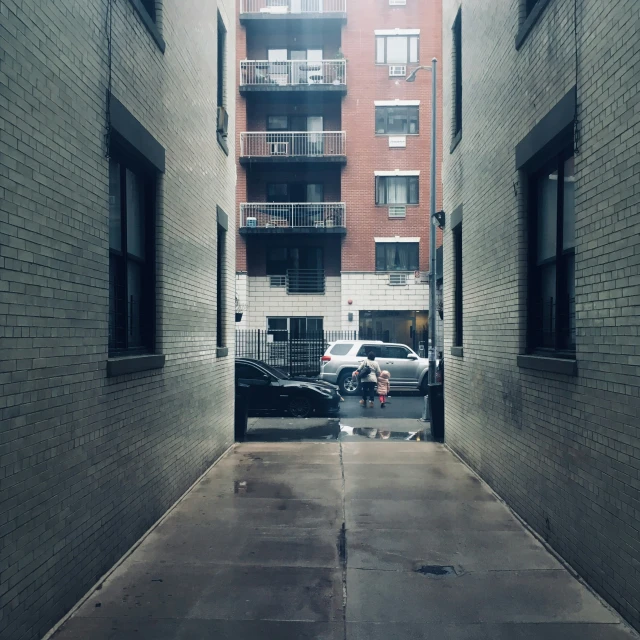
column 372, row 433
column 329, row 430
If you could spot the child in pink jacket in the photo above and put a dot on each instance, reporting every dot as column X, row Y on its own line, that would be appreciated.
column 383, row 388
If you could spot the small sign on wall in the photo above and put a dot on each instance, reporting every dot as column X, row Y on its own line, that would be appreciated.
column 397, row 142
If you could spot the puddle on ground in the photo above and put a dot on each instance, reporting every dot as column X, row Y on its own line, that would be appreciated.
column 332, row 430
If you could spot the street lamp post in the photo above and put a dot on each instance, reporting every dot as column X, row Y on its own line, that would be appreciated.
column 432, row 221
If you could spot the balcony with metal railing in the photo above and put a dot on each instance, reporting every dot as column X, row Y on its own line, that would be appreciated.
column 293, row 75
column 293, row 146
column 271, row 10
column 305, row 281
column 293, row 217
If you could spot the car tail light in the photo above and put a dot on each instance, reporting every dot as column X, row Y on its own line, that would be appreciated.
column 325, row 359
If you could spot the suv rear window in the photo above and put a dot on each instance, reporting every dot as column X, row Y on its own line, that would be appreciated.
column 341, row 349
column 366, row 348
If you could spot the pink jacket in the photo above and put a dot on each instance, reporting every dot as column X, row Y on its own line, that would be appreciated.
column 383, row 386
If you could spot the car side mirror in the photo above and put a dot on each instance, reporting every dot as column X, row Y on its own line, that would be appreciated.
column 412, row 356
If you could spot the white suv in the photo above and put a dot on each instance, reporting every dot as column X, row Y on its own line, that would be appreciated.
column 343, row 357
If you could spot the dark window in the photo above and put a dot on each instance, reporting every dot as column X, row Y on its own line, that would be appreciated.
column 552, row 257
column 221, row 286
column 150, row 8
column 397, row 120
column 397, row 190
column 457, row 294
column 278, row 328
column 397, row 256
column 277, row 123
column 397, row 49
column 396, row 352
column 305, row 327
column 457, row 70
column 131, row 256
column 277, row 261
column 367, row 348
column 281, row 259
column 249, row 372
column 341, row 349
column 222, row 62
column 278, row 192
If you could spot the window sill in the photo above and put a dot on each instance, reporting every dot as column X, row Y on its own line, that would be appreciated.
column 222, row 142
column 563, row 366
column 149, row 24
column 456, row 141
column 222, row 352
column 527, row 25
column 457, row 352
column 134, row 364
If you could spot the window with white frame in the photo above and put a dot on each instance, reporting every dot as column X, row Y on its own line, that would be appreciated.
column 397, row 189
column 397, row 47
column 397, row 255
column 397, row 119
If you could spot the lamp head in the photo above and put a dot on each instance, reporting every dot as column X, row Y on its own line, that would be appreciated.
column 412, row 76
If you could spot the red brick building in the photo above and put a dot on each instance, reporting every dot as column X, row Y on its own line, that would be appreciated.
column 333, row 175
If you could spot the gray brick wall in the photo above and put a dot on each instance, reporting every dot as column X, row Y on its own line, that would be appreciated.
column 88, row 463
column 563, row 451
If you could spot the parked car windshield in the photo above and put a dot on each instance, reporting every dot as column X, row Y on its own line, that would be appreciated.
column 249, row 369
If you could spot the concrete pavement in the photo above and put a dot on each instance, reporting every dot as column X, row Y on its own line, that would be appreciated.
column 360, row 540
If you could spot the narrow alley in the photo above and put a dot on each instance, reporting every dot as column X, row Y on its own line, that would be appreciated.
column 359, row 540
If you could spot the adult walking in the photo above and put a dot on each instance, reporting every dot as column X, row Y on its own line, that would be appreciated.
column 368, row 373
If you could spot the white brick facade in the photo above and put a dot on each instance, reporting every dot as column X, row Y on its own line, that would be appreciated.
column 265, row 301
column 89, row 462
column 561, row 449
column 372, row 292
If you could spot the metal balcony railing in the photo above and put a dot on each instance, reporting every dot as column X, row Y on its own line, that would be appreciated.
column 293, row 214
column 293, row 72
column 293, row 6
column 291, row 144
column 304, row 281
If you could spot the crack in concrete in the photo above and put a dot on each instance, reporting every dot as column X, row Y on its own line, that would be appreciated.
column 343, row 546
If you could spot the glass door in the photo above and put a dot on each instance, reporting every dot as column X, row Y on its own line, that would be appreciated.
column 278, row 67
column 315, row 124
column 299, row 66
column 315, row 66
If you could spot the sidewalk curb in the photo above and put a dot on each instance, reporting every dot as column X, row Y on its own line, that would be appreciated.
column 135, row 545
column 548, row 547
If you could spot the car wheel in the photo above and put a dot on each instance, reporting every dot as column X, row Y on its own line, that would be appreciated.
column 348, row 384
column 300, row 407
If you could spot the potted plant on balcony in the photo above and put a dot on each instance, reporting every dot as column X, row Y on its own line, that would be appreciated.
column 340, row 68
column 239, row 310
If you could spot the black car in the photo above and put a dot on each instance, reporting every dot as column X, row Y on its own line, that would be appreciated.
column 269, row 390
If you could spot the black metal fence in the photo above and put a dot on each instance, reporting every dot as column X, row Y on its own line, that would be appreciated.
column 298, row 355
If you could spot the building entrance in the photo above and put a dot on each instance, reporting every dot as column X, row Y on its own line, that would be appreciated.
column 405, row 327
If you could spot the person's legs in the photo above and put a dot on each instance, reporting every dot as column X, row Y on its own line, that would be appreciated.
column 363, row 402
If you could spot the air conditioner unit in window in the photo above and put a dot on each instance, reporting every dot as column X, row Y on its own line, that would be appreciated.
column 397, row 279
column 397, row 3
column 223, row 122
column 398, row 211
column 397, row 71
column 279, row 148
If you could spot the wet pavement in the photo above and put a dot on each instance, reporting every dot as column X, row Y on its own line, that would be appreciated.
column 365, row 540
column 399, row 420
